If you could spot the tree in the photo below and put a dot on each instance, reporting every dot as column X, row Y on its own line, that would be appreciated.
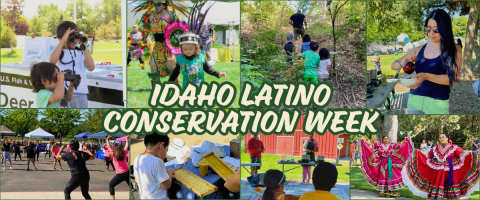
column 389, row 127
column 93, row 121
column 104, row 32
column 51, row 16
column 21, row 121
column 337, row 6
column 459, row 26
column 62, row 121
column 86, row 20
column 115, row 27
column 466, row 72
column 111, row 9
column 35, row 26
column 11, row 12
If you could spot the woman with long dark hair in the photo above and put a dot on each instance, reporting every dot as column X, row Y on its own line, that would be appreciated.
column 380, row 164
column 437, row 65
column 445, row 172
column 55, row 149
column 119, row 158
column 76, row 161
column 274, row 181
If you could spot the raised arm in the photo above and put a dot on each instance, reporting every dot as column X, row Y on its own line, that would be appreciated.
column 59, row 154
column 58, row 50
column 109, row 148
column 410, row 56
column 126, row 143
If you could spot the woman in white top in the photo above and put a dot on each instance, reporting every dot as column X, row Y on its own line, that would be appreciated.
column 48, row 150
column 322, row 70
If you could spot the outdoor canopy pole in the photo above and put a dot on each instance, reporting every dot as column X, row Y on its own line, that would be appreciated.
column 233, row 29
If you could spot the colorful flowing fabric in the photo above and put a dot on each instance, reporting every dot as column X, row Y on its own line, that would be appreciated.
column 136, row 46
column 432, row 177
column 382, row 165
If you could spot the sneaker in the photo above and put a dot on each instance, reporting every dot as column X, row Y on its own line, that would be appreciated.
column 35, row 169
column 61, row 169
column 54, row 169
column 108, row 169
column 28, row 169
column 11, row 167
column 4, row 168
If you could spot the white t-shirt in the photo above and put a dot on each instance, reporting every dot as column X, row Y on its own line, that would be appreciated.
column 79, row 68
column 149, row 172
column 322, row 68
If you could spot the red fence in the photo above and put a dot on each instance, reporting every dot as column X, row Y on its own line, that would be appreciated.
column 292, row 144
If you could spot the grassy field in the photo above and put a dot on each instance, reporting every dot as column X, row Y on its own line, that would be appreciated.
column 115, row 56
column 139, row 86
column 360, row 183
column 386, row 62
column 270, row 162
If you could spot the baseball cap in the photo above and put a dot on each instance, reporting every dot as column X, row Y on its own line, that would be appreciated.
column 290, row 37
column 313, row 45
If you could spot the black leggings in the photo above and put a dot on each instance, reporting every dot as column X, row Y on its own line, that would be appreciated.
column 129, row 59
column 17, row 153
column 82, row 180
column 108, row 161
column 49, row 154
column 37, row 153
column 117, row 179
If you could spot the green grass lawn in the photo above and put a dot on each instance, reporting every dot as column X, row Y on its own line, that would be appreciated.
column 139, row 90
column 115, row 57
column 385, row 62
column 107, row 45
column 270, row 162
column 360, row 183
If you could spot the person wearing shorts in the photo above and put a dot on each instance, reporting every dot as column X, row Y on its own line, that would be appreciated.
column 297, row 20
column 30, row 149
column 255, row 148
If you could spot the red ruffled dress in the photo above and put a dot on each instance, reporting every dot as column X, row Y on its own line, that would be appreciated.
column 382, row 165
column 431, row 177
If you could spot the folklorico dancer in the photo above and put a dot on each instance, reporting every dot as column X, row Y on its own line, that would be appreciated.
column 382, row 165
column 445, row 172
column 158, row 16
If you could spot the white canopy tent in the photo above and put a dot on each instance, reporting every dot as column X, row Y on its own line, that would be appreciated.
column 39, row 133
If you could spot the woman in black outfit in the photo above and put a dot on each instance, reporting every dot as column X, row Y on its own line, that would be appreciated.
column 16, row 147
column 76, row 161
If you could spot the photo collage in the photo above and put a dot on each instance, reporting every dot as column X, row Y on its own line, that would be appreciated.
column 230, row 99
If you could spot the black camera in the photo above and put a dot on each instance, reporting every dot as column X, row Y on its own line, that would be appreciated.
column 76, row 35
column 72, row 76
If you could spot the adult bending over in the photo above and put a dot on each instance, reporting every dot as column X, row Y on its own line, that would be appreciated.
column 437, row 66
column 76, row 161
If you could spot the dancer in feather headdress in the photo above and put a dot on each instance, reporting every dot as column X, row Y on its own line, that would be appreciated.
column 158, row 16
column 193, row 62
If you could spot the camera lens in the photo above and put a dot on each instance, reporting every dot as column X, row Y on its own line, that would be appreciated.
column 71, row 39
column 83, row 39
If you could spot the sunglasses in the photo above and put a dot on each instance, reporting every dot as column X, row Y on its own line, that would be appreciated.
column 427, row 30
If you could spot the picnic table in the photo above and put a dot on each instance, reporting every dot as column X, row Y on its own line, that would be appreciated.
column 380, row 94
column 311, row 163
column 244, row 165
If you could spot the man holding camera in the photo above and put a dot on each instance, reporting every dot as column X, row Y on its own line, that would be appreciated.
column 76, row 59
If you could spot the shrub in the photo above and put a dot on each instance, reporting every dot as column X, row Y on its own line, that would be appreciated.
column 6, row 33
column 21, row 28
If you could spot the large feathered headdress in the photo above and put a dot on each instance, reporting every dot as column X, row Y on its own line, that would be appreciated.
column 195, row 22
column 180, row 9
